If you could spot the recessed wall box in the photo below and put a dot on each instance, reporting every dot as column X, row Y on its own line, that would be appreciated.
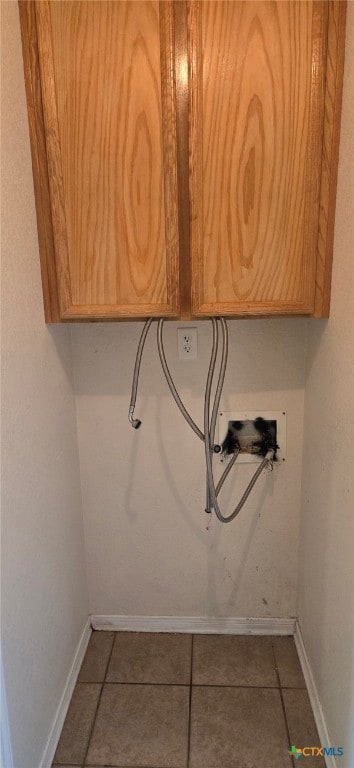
column 252, row 432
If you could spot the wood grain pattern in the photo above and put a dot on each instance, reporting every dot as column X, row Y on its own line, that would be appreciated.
column 109, row 103
column 182, row 103
column 55, row 175
column 169, row 157
column 330, row 151
column 39, row 160
column 256, row 105
column 107, row 83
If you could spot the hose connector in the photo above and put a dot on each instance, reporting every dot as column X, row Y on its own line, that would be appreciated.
column 136, row 423
column 269, row 457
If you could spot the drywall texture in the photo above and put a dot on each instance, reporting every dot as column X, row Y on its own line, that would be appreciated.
column 44, row 600
column 326, row 605
column 151, row 549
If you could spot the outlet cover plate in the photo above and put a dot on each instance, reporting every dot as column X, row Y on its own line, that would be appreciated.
column 249, row 458
column 187, row 340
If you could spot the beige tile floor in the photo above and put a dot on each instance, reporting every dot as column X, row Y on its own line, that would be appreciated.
column 181, row 701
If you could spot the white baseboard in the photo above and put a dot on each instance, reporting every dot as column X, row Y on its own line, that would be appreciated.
column 313, row 695
column 49, row 751
column 195, row 624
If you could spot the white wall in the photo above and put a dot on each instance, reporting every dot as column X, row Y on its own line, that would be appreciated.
column 44, row 595
column 148, row 549
column 326, row 602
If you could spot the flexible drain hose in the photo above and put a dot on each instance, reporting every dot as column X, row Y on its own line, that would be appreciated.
column 209, row 423
column 183, row 409
column 170, row 382
column 210, row 430
column 136, row 423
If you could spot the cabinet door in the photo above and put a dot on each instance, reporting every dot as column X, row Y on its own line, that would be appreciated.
column 256, row 117
column 107, row 86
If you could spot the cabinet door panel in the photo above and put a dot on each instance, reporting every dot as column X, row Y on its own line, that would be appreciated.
column 109, row 111
column 256, row 112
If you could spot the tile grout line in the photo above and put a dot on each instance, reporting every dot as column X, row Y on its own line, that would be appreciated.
column 104, row 683
column 98, row 703
column 195, row 685
column 190, row 705
column 282, row 701
column 93, row 725
column 109, row 659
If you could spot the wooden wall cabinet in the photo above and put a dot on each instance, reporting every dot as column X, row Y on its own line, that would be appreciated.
column 184, row 154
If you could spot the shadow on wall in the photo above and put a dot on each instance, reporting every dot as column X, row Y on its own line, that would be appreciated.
column 214, row 543
column 144, row 490
column 58, row 337
column 234, row 571
column 326, row 555
column 259, row 359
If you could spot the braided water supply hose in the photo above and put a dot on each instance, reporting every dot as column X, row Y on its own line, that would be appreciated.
column 208, row 435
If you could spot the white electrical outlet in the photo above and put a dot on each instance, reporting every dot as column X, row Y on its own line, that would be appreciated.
column 187, row 340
